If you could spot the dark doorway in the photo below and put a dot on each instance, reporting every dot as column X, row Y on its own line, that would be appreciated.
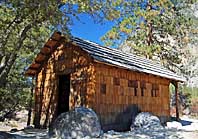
column 63, row 94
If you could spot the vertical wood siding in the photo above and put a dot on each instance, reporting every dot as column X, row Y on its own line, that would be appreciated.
column 65, row 60
column 112, row 107
column 109, row 90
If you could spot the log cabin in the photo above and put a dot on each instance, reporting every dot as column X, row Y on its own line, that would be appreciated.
column 74, row 72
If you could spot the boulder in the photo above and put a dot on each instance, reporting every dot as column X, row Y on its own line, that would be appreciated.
column 78, row 123
column 145, row 120
column 5, row 135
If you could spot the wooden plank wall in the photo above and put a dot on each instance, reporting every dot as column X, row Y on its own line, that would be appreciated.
column 77, row 63
column 118, row 98
column 45, row 94
column 89, row 80
column 65, row 60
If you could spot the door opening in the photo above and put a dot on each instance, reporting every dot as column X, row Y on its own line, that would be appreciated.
column 63, row 94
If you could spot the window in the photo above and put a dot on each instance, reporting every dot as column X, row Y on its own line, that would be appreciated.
column 142, row 86
column 134, row 84
column 103, row 88
column 135, row 91
column 154, row 90
column 116, row 81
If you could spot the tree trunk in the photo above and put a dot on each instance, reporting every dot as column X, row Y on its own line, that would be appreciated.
column 11, row 60
column 3, row 60
column 150, row 31
column 30, row 103
column 150, row 34
column 149, row 38
column 4, row 73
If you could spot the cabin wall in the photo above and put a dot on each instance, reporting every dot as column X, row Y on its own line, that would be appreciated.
column 93, row 85
column 114, row 106
column 46, row 82
column 74, row 61
column 65, row 60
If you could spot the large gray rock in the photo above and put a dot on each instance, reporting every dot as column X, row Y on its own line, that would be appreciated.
column 5, row 135
column 78, row 123
column 145, row 120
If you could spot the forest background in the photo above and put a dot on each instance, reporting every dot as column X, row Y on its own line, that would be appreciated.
column 165, row 31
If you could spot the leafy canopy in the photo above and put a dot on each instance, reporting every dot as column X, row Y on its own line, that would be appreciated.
column 24, row 27
column 156, row 29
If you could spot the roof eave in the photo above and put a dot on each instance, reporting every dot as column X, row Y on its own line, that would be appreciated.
column 170, row 78
column 44, row 53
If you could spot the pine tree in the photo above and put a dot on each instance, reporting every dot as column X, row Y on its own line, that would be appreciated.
column 153, row 29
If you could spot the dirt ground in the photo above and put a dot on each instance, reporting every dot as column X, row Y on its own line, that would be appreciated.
column 161, row 134
column 187, row 128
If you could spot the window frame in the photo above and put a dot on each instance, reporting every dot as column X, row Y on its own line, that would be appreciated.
column 155, row 90
column 103, row 88
column 133, row 84
column 142, row 86
column 116, row 81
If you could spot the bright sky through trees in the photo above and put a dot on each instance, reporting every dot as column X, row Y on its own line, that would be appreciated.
column 87, row 29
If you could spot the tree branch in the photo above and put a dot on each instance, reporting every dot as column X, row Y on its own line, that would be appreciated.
column 13, row 56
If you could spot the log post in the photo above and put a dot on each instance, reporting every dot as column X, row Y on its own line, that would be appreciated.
column 37, row 103
column 30, row 103
column 176, row 101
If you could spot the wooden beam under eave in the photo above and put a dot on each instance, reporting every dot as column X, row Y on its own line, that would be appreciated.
column 40, row 57
column 30, row 74
column 33, row 68
column 37, row 62
column 176, row 100
column 46, row 49
column 47, row 46
column 56, row 36
column 35, row 65
column 51, row 43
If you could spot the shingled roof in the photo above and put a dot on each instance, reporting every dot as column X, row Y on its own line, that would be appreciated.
column 105, row 55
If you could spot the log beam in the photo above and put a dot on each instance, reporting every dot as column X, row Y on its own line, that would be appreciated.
column 176, row 101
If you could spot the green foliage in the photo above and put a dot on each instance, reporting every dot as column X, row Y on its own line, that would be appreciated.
column 22, row 31
column 191, row 90
column 184, row 97
column 24, row 27
column 187, row 95
column 154, row 29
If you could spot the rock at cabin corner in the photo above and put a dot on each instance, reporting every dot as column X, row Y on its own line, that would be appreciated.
column 5, row 135
column 145, row 120
column 78, row 123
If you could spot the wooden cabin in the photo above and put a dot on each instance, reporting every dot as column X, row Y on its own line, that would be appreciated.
column 75, row 72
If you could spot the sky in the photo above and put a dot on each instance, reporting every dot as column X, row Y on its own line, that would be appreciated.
column 88, row 30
